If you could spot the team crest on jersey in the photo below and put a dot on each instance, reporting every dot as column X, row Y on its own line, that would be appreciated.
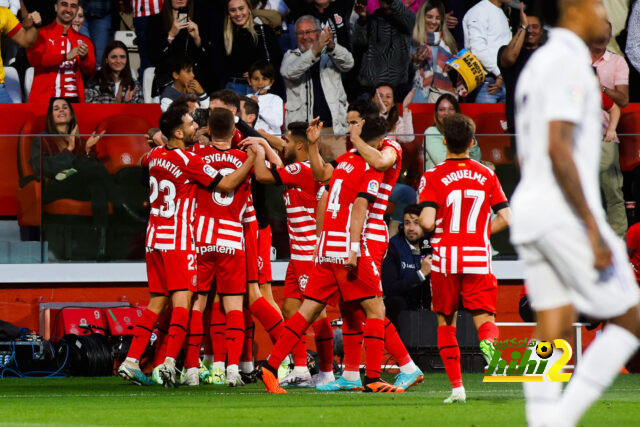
column 423, row 183
column 302, row 282
column 294, row 168
column 209, row 171
column 126, row 159
column 372, row 188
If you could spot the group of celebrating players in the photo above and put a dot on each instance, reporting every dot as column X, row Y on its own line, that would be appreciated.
column 208, row 251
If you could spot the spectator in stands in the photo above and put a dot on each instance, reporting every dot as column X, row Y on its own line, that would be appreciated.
column 613, row 74
column 400, row 127
column 172, row 36
column 632, row 49
column 314, row 88
column 385, row 37
column 486, row 29
column 249, row 111
column 143, row 10
column 24, row 34
column 97, row 20
column 513, row 57
column 113, row 83
column 406, row 268
column 333, row 14
column 183, row 82
column 435, row 152
column 262, row 75
column 245, row 42
column 61, row 57
column 78, row 23
column 433, row 46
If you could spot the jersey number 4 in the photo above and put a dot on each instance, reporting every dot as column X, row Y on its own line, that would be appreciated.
column 334, row 197
column 454, row 199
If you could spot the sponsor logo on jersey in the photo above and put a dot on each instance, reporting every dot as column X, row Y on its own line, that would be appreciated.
column 214, row 248
column 294, row 168
column 209, row 171
column 372, row 188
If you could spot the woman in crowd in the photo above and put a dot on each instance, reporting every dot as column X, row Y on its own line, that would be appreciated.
column 433, row 46
column 78, row 21
column 435, row 152
column 247, row 40
column 396, row 124
column 173, row 36
column 113, row 82
column 68, row 169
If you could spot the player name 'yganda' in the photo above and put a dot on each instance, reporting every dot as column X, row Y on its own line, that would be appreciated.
column 464, row 174
column 165, row 164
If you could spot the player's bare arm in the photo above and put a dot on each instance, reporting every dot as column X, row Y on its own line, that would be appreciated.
column 380, row 160
column 270, row 154
column 274, row 141
column 230, row 182
column 566, row 173
column 260, row 170
column 428, row 219
column 28, row 34
column 358, row 215
column 501, row 221
column 321, row 171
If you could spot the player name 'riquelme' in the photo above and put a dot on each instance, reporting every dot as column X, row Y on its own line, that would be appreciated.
column 463, row 174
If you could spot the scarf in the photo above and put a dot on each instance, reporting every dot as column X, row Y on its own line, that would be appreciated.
column 430, row 74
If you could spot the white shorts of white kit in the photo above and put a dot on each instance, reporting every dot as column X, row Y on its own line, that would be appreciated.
column 558, row 271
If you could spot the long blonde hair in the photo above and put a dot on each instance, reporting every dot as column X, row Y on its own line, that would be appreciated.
column 420, row 31
column 229, row 27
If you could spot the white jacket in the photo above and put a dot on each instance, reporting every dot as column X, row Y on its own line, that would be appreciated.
column 297, row 78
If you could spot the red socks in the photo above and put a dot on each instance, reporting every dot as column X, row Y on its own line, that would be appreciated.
column 234, row 336
column 142, row 333
column 394, row 344
column 300, row 352
column 177, row 331
column 161, row 342
column 217, row 334
column 293, row 330
column 269, row 317
column 249, row 329
column 488, row 331
column 352, row 338
column 194, row 340
column 324, row 343
column 450, row 354
column 373, row 347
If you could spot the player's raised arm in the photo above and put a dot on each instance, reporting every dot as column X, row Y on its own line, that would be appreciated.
column 261, row 171
column 321, row 171
column 275, row 142
column 566, row 173
column 380, row 160
column 270, row 154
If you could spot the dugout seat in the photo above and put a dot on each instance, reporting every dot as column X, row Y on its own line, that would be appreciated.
column 28, row 81
column 496, row 145
column 629, row 144
column 126, row 149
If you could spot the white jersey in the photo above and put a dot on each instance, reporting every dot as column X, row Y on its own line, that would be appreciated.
column 557, row 84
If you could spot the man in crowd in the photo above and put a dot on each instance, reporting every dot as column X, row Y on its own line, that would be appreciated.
column 312, row 76
column 61, row 58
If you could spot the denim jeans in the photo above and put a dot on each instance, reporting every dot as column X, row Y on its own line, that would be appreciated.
column 100, row 34
column 238, row 87
column 484, row 97
column 140, row 25
column 4, row 95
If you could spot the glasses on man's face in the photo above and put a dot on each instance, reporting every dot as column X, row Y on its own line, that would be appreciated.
column 306, row 33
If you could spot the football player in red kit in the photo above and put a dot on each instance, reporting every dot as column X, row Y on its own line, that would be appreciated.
column 301, row 196
column 343, row 267
column 457, row 197
column 174, row 175
column 220, row 242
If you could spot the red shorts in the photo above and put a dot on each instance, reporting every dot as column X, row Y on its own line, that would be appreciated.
column 295, row 282
column 377, row 251
column 264, row 255
column 328, row 282
column 224, row 267
column 171, row 270
column 251, row 246
column 478, row 292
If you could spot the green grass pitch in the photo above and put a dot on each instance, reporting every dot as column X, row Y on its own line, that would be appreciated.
column 113, row 402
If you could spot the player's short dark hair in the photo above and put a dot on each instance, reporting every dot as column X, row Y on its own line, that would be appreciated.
column 298, row 130
column 373, row 128
column 265, row 68
column 186, row 97
column 412, row 210
column 227, row 97
column 364, row 107
column 179, row 64
column 458, row 132
column 171, row 119
column 250, row 106
column 201, row 116
column 221, row 123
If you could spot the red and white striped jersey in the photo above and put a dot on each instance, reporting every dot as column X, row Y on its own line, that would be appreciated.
column 219, row 216
column 146, row 7
column 352, row 177
column 376, row 227
column 463, row 192
column 300, row 200
column 174, row 175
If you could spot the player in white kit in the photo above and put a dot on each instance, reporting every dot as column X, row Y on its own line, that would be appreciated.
column 573, row 261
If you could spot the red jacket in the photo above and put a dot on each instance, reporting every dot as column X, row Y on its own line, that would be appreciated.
column 48, row 57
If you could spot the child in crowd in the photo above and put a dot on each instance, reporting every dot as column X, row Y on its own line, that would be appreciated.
column 183, row 82
column 271, row 115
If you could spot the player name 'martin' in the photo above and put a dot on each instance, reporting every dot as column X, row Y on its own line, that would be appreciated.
column 166, row 164
column 463, row 174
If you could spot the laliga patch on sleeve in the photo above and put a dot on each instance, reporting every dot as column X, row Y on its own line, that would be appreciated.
column 372, row 188
column 209, row 170
column 293, row 168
